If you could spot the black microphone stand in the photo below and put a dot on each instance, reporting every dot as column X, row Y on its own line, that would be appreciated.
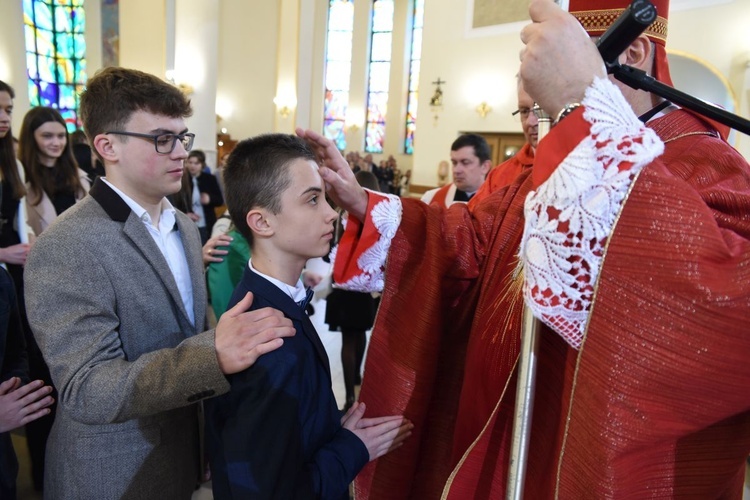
column 631, row 23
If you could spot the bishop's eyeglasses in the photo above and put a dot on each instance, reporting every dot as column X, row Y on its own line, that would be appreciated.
column 163, row 143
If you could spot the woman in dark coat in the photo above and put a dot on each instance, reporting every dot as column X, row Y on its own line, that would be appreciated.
column 353, row 313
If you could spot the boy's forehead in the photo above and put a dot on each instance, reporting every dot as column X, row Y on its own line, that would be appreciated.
column 304, row 174
column 148, row 120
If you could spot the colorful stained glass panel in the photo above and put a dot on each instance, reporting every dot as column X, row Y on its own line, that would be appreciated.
column 381, row 47
column 56, row 54
column 375, row 137
column 338, row 69
column 414, row 67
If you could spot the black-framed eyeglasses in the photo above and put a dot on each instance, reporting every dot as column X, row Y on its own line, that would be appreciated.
column 163, row 143
column 524, row 112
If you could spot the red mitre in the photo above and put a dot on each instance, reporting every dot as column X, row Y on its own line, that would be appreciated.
column 598, row 15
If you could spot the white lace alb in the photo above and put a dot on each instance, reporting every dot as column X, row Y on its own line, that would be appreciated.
column 570, row 217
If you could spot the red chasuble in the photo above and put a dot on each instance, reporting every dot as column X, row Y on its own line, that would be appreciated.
column 653, row 400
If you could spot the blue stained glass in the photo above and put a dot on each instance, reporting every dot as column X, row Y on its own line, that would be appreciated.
column 379, row 75
column 56, row 51
column 340, row 16
column 374, row 137
column 80, row 45
column 63, row 22
column 42, row 16
column 49, row 94
column 67, row 97
column 381, row 47
column 79, row 20
column 33, row 93
column 65, row 45
column 339, row 46
column 382, row 15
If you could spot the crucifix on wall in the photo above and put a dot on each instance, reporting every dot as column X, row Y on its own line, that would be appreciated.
column 437, row 97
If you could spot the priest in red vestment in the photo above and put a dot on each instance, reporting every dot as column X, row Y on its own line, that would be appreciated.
column 505, row 173
column 630, row 241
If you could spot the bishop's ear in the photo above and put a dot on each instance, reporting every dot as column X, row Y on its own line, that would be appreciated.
column 638, row 54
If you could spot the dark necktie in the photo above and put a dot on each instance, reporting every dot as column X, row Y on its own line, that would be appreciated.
column 308, row 297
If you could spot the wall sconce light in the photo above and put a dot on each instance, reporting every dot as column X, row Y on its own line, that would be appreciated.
column 285, row 107
column 483, row 109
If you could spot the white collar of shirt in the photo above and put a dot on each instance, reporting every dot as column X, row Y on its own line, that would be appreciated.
column 167, row 218
column 296, row 293
column 167, row 238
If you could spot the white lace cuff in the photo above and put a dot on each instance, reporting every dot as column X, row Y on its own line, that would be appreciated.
column 569, row 218
column 385, row 217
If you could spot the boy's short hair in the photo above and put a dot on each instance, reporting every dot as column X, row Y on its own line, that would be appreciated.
column 114, row 94
column 256, row 174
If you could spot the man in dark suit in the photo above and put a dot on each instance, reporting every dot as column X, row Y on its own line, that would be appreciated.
column 278, row 433
column 116, row 298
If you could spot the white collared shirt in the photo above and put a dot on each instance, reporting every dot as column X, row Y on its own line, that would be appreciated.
column 167, row 238
column 296, row 293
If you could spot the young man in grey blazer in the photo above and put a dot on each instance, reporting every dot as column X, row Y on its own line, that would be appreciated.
column 116, row 298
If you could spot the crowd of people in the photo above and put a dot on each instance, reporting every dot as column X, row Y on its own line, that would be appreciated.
column 391, row 179
column 625, row 232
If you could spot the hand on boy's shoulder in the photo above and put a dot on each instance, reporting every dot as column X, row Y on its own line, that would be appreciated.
column 380, row 434
column 243, row 336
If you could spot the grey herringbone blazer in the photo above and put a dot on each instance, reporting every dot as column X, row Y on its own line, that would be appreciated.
column 129, row 366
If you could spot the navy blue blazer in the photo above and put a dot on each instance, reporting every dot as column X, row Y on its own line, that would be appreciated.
column 277, row 433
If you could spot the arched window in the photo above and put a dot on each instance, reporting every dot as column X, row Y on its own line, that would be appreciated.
column 338, row 69
column 56, row 55
column 380, row 72
column 416, row 55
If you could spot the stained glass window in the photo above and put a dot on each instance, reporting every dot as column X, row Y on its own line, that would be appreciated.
column 56, row 55
column 338, row 69
column 416, row 56
column 380, row 72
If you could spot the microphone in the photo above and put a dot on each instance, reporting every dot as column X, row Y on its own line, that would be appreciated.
column 629, row 25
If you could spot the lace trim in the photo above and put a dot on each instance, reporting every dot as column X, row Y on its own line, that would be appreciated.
column 569, row 218
column 386, row 217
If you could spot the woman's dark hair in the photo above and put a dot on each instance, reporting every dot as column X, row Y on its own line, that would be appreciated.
column 64, row 177
column 8, row 167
